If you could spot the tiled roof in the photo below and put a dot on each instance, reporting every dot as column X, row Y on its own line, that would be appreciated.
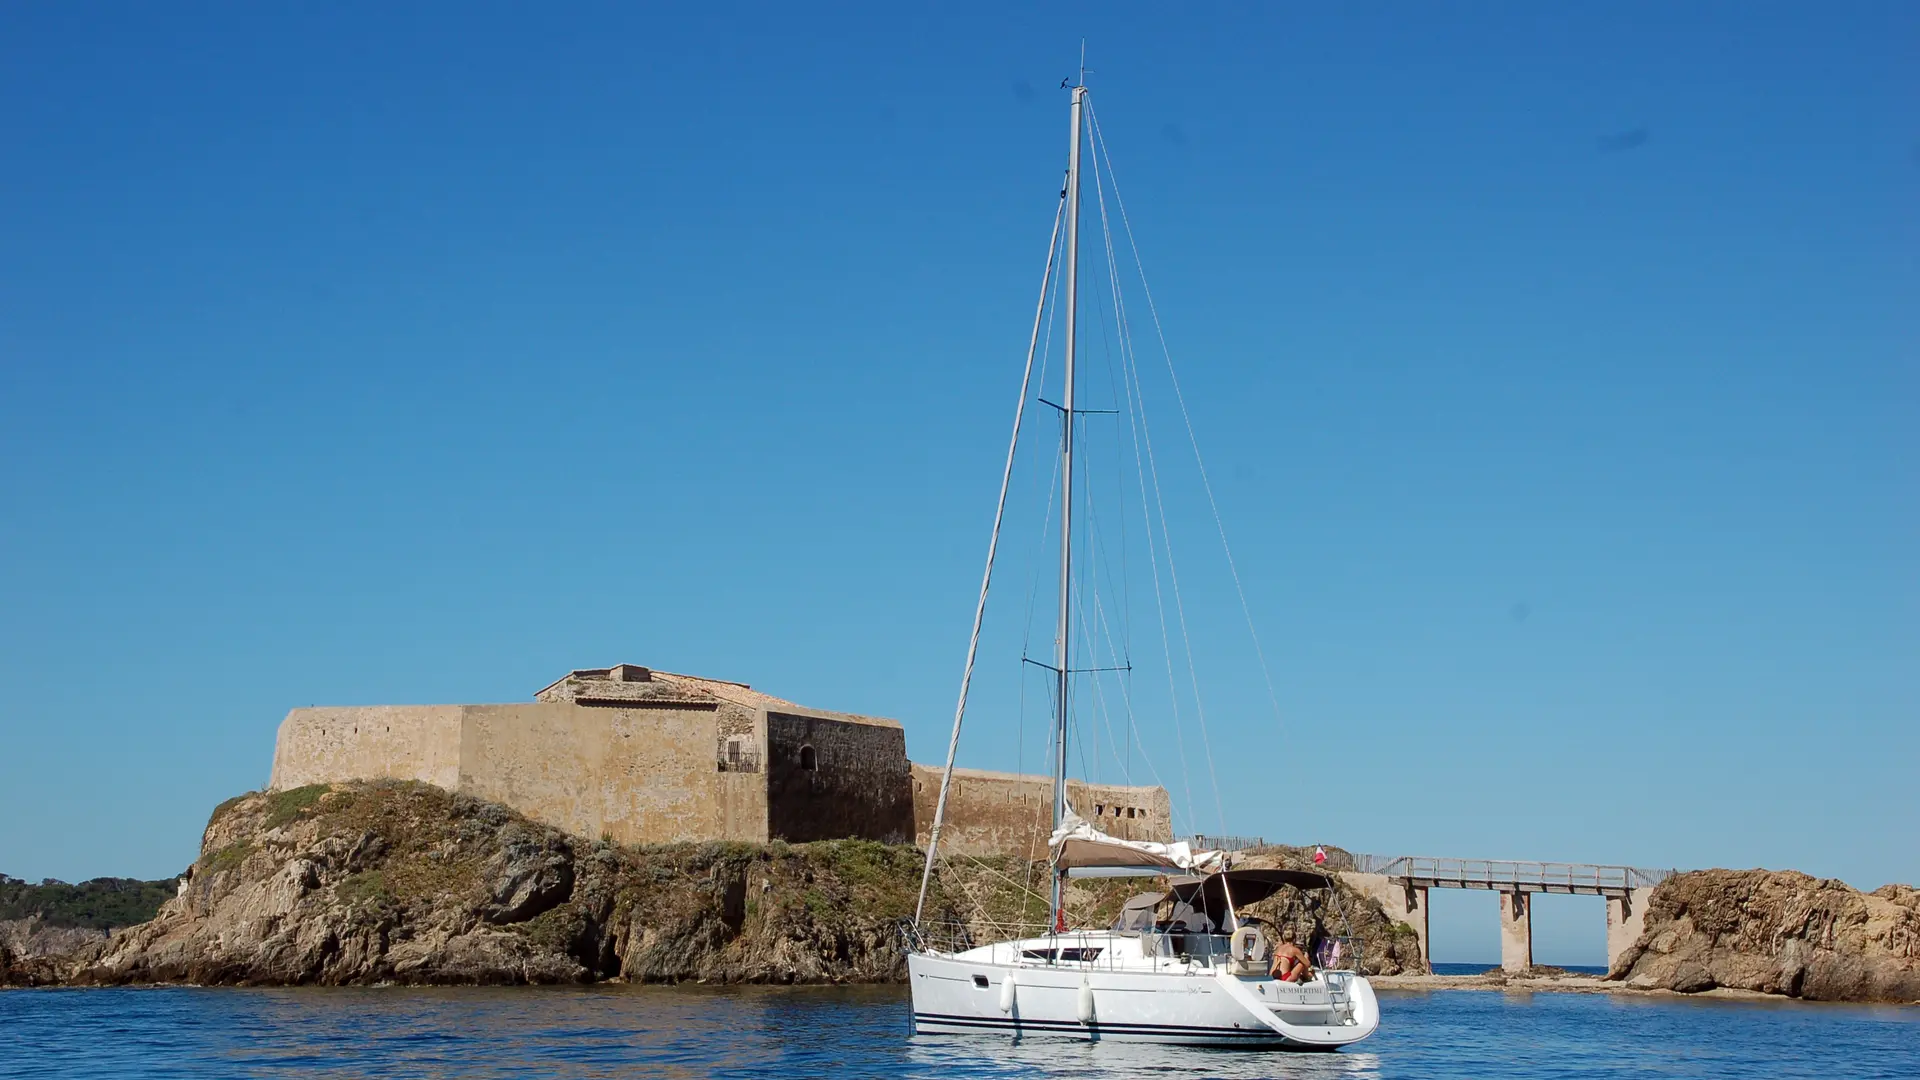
column 663, row 686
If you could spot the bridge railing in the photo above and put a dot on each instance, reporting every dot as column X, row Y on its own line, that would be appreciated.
column 1494, row 873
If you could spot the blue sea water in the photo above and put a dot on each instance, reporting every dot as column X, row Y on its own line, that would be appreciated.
column 1482, row 969
column 618, row 1031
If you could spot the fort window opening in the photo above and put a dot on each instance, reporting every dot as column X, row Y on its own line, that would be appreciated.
column 739, row 755
column 809, row 760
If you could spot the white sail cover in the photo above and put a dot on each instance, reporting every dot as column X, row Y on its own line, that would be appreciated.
column 1078, row 845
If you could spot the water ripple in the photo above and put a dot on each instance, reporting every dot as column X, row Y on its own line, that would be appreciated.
column 590, row 1033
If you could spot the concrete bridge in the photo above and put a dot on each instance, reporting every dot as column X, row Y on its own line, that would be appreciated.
column 1401, row 885
column 1401, row 882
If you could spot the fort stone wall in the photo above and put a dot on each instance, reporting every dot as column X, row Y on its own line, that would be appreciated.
column 646, row 775
column 373, row 742
column 648, row 757
column 997, row 812
column 830, row 777
column 740, row 753
column 633, row 775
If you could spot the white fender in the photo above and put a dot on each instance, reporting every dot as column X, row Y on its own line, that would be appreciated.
column 1006, row 993
column 1086, row 1000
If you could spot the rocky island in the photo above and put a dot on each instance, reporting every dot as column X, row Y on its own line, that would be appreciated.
column 374, row 882
column 403, row 882
column 1778, row 932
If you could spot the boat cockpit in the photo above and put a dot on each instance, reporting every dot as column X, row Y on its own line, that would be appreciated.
column 1193, row 925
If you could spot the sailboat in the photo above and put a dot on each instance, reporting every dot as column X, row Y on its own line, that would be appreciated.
column 1199, row 975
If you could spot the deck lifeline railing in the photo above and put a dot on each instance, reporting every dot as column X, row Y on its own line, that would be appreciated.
column 1512, row 875
column 1090, row 948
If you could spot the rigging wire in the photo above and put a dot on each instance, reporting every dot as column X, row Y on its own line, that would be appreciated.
column 1136, row 421
column 1090, row 640
column 1096, row 536
column 1166, row 536
column 1094, row 630
column 1091, row 576
column 1090, row 611
column 1040, row 812
column 986, row 576
column 1233, row 568
column 1118, row 663
column 1125, row 692
column 1053, row 483
column 1134, row 732
column 1180, row 610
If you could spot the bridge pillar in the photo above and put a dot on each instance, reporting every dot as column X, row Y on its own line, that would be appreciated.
column 1402, row 901
column 1626, row 919
column 1413, row 912
column 1516, row 931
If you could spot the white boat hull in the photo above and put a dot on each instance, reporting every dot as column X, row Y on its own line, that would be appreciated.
column 1202, row 1006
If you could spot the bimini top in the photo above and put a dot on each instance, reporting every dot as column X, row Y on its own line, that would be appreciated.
column 1200, row 903
column 1243, row 886
column 1076, row 845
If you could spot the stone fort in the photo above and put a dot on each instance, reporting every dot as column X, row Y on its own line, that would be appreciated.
column 640, row 756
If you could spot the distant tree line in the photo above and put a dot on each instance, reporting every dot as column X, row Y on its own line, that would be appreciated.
column 100, row 904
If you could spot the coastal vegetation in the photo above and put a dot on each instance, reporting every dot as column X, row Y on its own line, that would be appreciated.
column 100, row 904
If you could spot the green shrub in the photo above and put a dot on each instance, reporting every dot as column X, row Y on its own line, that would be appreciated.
column 226, row 806
column 284, row 806
column 365, row 887
column 227, row 858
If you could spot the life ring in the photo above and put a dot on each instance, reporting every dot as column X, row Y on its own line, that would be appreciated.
column 1248, row 944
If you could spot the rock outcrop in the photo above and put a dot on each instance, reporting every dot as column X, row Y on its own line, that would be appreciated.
column 44, row 926
column 1386, row 947
column 403, row 882
column 33, row 952
column 1777, row 932
column 391, row 882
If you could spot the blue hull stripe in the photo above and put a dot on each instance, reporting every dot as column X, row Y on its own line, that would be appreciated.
column 1015, row 1024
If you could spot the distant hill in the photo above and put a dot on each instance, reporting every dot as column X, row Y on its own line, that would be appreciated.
column 100, row 904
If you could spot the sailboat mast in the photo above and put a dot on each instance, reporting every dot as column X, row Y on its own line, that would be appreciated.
column 1063, row 654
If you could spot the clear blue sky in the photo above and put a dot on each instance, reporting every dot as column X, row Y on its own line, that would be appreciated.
column 1557, row 371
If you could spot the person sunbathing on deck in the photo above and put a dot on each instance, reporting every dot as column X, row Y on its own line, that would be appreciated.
column 1289, row 963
